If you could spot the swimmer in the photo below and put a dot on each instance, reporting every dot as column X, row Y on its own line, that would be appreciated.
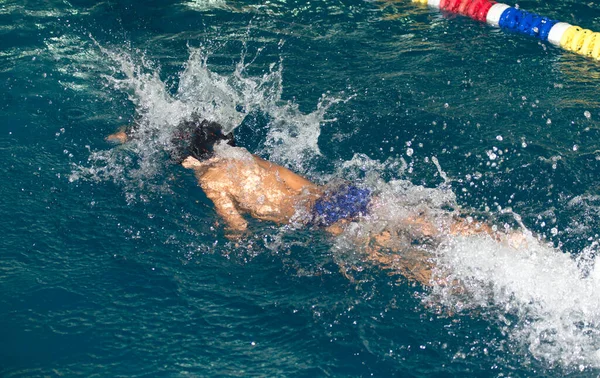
column 240, row 183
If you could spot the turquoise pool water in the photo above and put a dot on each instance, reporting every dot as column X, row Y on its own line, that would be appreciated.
column 113, row 262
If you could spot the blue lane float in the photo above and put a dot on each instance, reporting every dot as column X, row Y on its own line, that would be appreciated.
column 561, row 34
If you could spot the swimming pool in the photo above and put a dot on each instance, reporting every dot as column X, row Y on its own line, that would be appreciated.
column 113, row 263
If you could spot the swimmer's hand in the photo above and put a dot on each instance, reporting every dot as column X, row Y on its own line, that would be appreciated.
column 119, row 137
column 191, row 162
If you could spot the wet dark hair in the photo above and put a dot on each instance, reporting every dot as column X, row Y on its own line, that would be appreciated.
column 197, row 137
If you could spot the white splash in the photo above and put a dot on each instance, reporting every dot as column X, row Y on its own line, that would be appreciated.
column 292, row 136
column 544, row 301
column 555, row 304
column 205, row 5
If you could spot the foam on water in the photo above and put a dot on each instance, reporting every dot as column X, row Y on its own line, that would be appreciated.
column 541, row 298
column 204, row 5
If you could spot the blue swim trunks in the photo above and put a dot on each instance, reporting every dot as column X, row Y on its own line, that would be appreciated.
column 345, row 203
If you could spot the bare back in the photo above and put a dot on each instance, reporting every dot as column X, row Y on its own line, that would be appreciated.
column 252, row 185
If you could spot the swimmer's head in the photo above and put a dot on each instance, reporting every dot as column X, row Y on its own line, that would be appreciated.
column 197, row 138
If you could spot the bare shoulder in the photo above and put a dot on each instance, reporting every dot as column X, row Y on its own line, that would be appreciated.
column 292, row 179
column 215, row 170
column 222, row 172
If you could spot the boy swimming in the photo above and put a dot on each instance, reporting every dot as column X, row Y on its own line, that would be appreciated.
column 240, row 183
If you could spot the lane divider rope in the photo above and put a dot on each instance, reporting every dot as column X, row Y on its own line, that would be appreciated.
column 561, row 34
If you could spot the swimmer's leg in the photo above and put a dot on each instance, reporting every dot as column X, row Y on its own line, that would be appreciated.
column 412, row 262
column 467, row 227
column 389, row 249
column 415, row 262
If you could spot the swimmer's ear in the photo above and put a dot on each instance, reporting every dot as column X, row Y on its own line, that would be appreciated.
column 190, row 162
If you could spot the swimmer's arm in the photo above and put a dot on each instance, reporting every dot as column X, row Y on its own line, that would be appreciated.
column 227, row 210
column 413, row 265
